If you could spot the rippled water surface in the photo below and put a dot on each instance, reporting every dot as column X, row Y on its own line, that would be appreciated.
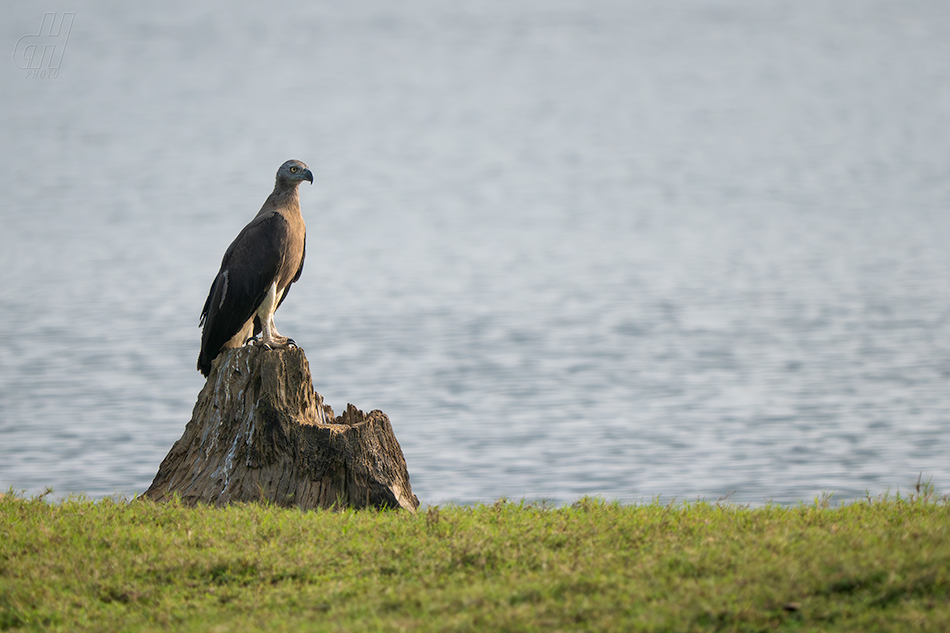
column 613, row 248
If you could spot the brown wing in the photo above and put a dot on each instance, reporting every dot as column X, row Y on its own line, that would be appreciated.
column 248, row 268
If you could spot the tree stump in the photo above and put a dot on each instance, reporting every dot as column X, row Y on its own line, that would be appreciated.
column 259, row 432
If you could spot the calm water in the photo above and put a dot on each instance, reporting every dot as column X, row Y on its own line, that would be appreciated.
column 613, row 248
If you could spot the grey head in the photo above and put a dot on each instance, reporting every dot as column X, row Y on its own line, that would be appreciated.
column 292, row 173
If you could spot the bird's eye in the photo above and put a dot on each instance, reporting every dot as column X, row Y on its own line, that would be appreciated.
column 293, row 170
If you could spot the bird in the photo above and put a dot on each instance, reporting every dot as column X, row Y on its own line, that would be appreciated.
column 256, row 272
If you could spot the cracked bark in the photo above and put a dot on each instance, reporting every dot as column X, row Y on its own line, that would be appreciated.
column 259, row 432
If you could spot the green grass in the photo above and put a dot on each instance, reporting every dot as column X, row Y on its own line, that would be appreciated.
column 114, row 565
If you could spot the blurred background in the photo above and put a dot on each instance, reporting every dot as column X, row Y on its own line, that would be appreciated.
column 583, row 247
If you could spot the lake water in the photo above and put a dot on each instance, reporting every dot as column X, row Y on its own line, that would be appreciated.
column 627, row 249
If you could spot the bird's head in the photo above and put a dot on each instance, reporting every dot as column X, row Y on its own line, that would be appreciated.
column 293, row 172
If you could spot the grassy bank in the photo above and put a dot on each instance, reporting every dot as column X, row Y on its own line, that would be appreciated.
column 114, row 565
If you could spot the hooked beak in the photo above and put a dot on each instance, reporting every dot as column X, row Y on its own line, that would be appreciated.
column 308, row 175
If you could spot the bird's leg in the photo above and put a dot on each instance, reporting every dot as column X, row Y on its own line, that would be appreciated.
column 254, row 330
column 245, row 336
column 271, row 338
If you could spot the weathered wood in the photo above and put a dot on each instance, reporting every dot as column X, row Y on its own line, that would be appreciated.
column 259, row 432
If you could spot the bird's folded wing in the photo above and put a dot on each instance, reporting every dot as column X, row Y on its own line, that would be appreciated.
column 251, row 264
